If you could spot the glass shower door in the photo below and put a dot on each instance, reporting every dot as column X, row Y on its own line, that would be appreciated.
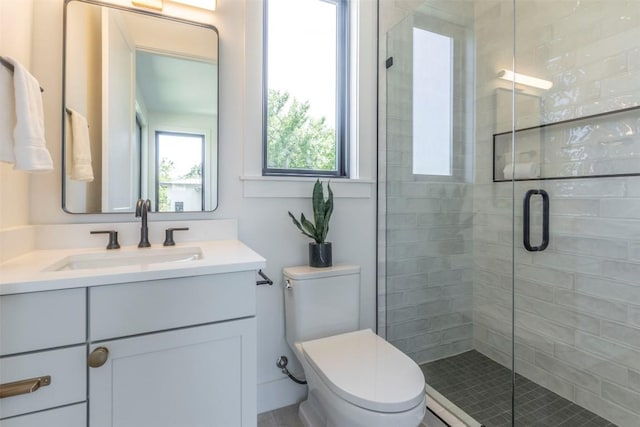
column 575, row 164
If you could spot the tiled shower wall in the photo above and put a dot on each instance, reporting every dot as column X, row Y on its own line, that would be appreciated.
column 428, row 230
column 578, row 302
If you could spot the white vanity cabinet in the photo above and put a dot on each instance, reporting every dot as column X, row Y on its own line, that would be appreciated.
column 181, row 352
column 164, row 344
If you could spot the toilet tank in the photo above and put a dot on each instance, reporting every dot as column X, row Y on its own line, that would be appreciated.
column 320, row 302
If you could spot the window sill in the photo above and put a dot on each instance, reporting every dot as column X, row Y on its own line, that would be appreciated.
column 297, row 187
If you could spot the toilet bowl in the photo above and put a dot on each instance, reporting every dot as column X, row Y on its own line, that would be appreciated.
column 355, row 378
column 358, row 379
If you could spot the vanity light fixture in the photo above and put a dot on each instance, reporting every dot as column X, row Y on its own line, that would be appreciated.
column 524, row 79
column 202, row 4
column 150, row 4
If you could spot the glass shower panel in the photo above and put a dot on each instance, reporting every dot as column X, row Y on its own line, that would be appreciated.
column 428, row 249
column 429, row 217
column 577, row 302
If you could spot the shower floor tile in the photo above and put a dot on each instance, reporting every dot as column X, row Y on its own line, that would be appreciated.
column 482, row 388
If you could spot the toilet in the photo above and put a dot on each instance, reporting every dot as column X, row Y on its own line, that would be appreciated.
column 355, row 378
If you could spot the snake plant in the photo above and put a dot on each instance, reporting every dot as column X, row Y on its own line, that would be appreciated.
column 322, row 210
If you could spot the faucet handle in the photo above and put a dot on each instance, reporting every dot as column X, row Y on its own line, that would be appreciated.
column 113, row 238
column 168, row 235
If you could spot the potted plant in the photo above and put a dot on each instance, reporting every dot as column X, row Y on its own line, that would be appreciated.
column 319, row 249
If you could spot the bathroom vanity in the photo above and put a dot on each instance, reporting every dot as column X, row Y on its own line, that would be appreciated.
column 151, row 344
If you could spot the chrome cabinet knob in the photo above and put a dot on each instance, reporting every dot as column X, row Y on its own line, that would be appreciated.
column 98, row 357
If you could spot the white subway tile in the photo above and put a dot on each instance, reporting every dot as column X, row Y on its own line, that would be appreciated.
column 457, row 333
column 634, row 315
column 569, row 263
column 606, row 408
column 592, row 363
column 569, row 373
column 595, row 306
column 545, row 379
column 616, row 353
column 544, row 327
column 555, row 277
column 625, row 271
column 602, row 187
column 578, row 207
column 623, row 334
column 608, row 289
column 535, row 340
column 634, row 380
column 601, row 248
column 622, row 396
column 621, row 208
column 557, row 314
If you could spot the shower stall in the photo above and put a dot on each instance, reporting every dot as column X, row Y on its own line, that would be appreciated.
column 509, row 206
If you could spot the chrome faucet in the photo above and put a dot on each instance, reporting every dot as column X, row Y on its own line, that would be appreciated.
column 142, row 207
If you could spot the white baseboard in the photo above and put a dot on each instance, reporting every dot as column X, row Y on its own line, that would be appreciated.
column 279, row 393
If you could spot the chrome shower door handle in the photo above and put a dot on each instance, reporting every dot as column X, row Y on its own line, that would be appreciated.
column 526, row 219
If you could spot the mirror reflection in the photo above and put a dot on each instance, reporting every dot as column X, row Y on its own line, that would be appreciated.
column 141, row 111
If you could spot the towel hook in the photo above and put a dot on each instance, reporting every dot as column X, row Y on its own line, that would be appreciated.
column 266, row 280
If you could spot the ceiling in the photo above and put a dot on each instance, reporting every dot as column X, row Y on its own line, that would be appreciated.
column 171, row 84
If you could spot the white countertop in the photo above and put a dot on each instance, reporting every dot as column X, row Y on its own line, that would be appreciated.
column 27, row 273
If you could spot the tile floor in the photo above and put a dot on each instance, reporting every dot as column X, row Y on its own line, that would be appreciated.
column 482, row 388
column 285, row 417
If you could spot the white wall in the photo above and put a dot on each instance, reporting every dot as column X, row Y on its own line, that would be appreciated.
column 15, row 41
column 260, row 205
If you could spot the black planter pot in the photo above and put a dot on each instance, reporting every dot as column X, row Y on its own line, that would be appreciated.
column 320, row 254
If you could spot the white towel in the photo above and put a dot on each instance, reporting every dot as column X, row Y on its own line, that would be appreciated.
column 526, row 170
column 7, row 115
column 80, row 168
column 29, row 145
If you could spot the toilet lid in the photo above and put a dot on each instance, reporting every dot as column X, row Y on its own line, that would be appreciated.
column 367, row 371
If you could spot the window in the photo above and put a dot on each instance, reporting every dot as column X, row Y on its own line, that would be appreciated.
column 305, row 87
column 432, row 103
column 179, row 174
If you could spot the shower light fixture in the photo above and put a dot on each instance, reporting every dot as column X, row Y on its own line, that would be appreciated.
column 202, row 4
column 524, row 79
column 150, row 4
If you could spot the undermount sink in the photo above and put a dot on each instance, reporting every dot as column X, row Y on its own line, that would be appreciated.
column 112, row 259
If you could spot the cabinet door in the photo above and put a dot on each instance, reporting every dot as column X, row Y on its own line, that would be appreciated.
column 192, row 377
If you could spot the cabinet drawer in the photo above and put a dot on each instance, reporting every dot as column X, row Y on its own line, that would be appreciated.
column 68, row 416
column 67, row 368
column 135, row 308
column 39, row 320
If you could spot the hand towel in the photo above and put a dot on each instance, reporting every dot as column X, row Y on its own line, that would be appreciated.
column 80, row 168
column 7, row 115
column 29, row 147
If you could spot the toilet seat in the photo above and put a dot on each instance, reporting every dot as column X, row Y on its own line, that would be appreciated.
column 367, row 371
